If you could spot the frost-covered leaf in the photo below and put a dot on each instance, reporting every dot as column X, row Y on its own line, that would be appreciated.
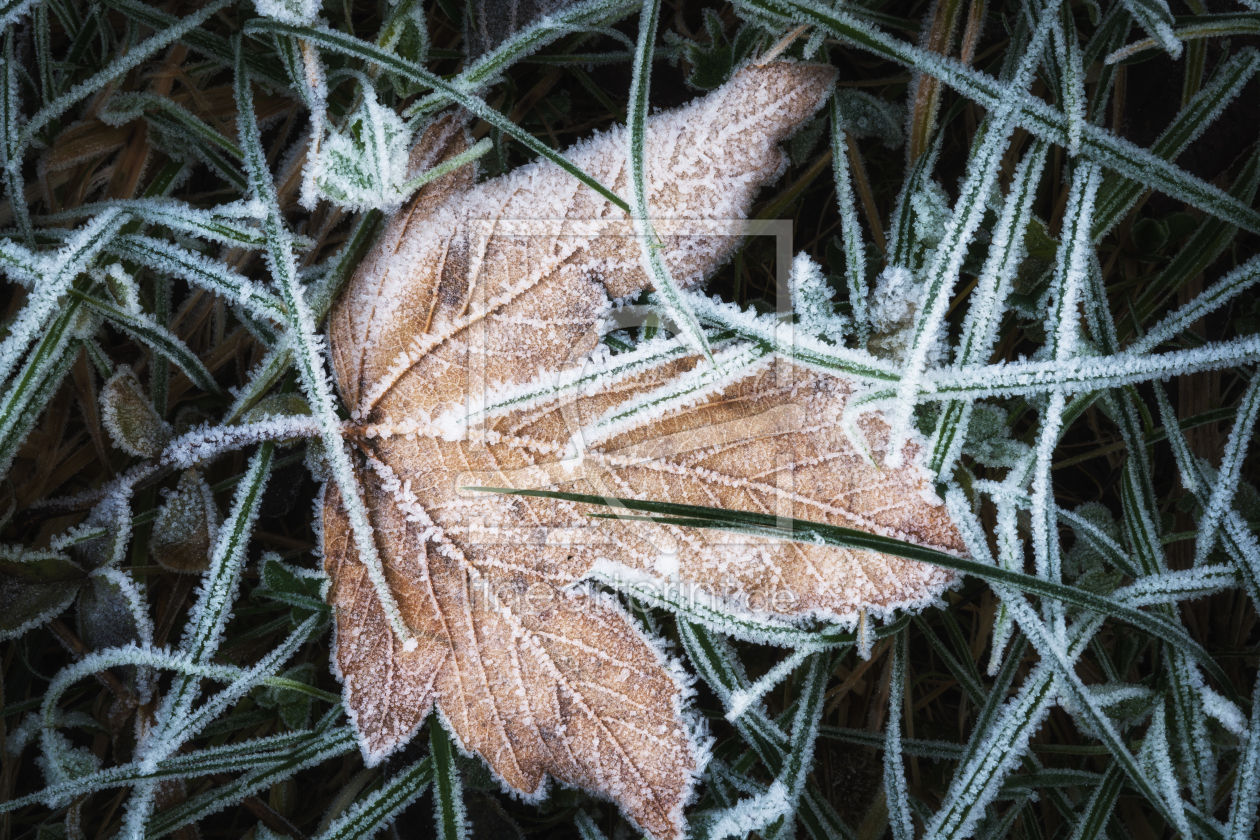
column 489, row 23
column 710, row 65
column 294, row 706
column 129, row 415
column 112, row 612
column 371, row 163
column 988, row 438
column 1084, row 556
column 186, row 526
column 34, row 588
column 366, row 163
column 863, row 115
column 468, row 348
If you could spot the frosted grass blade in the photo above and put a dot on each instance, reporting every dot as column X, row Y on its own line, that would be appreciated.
column 1121, row 190
column 895, row 792
column 215, row 47
column 850, row 228
column 12, row 146
column 247, row 755
column 1236, row 450
column 933, row 750
column 168, row 257
column 307, row 346
column 19, row 263
column 448, row 794
column 1204, row 303
column 982, row 170
column 1087, row 373
column 163, row 37
column 1100, row 806
column 367, row 817
column 218, row 225
column 649, row 243
column 988, row 302
column 1194, row 747
column 794, row 345
column 1244, row 809
column 25, row 397
column 339, row 742
column 59, row 273
column 1206, row 244
column 1157, row 20
column 815, row 533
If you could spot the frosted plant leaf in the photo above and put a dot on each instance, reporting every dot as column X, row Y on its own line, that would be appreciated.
column 365, row 164
column 811, row 301
column 371, row 163
column 186, row 527
column 931, row 213
column 894, row 303
column 35, row 586
column 112, row 612
column 863, row 115
column 294, row 705
column 988, row 438
column 455, row 310
column 129, row 416
column 1083, row 557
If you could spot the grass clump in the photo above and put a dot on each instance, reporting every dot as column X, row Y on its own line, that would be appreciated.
column 1042, row 213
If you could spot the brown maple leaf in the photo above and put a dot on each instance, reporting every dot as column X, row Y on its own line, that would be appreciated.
column 455, row 312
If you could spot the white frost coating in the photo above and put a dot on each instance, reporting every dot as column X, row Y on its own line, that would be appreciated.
column 1246, row 804
column 740, row 701
column 57, row 271
column 811, row 300
column 1086, row 373
column 1206, row 302
column 1229, row 477
column 296, row 12
column 1224, row 711
column 208, row 442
